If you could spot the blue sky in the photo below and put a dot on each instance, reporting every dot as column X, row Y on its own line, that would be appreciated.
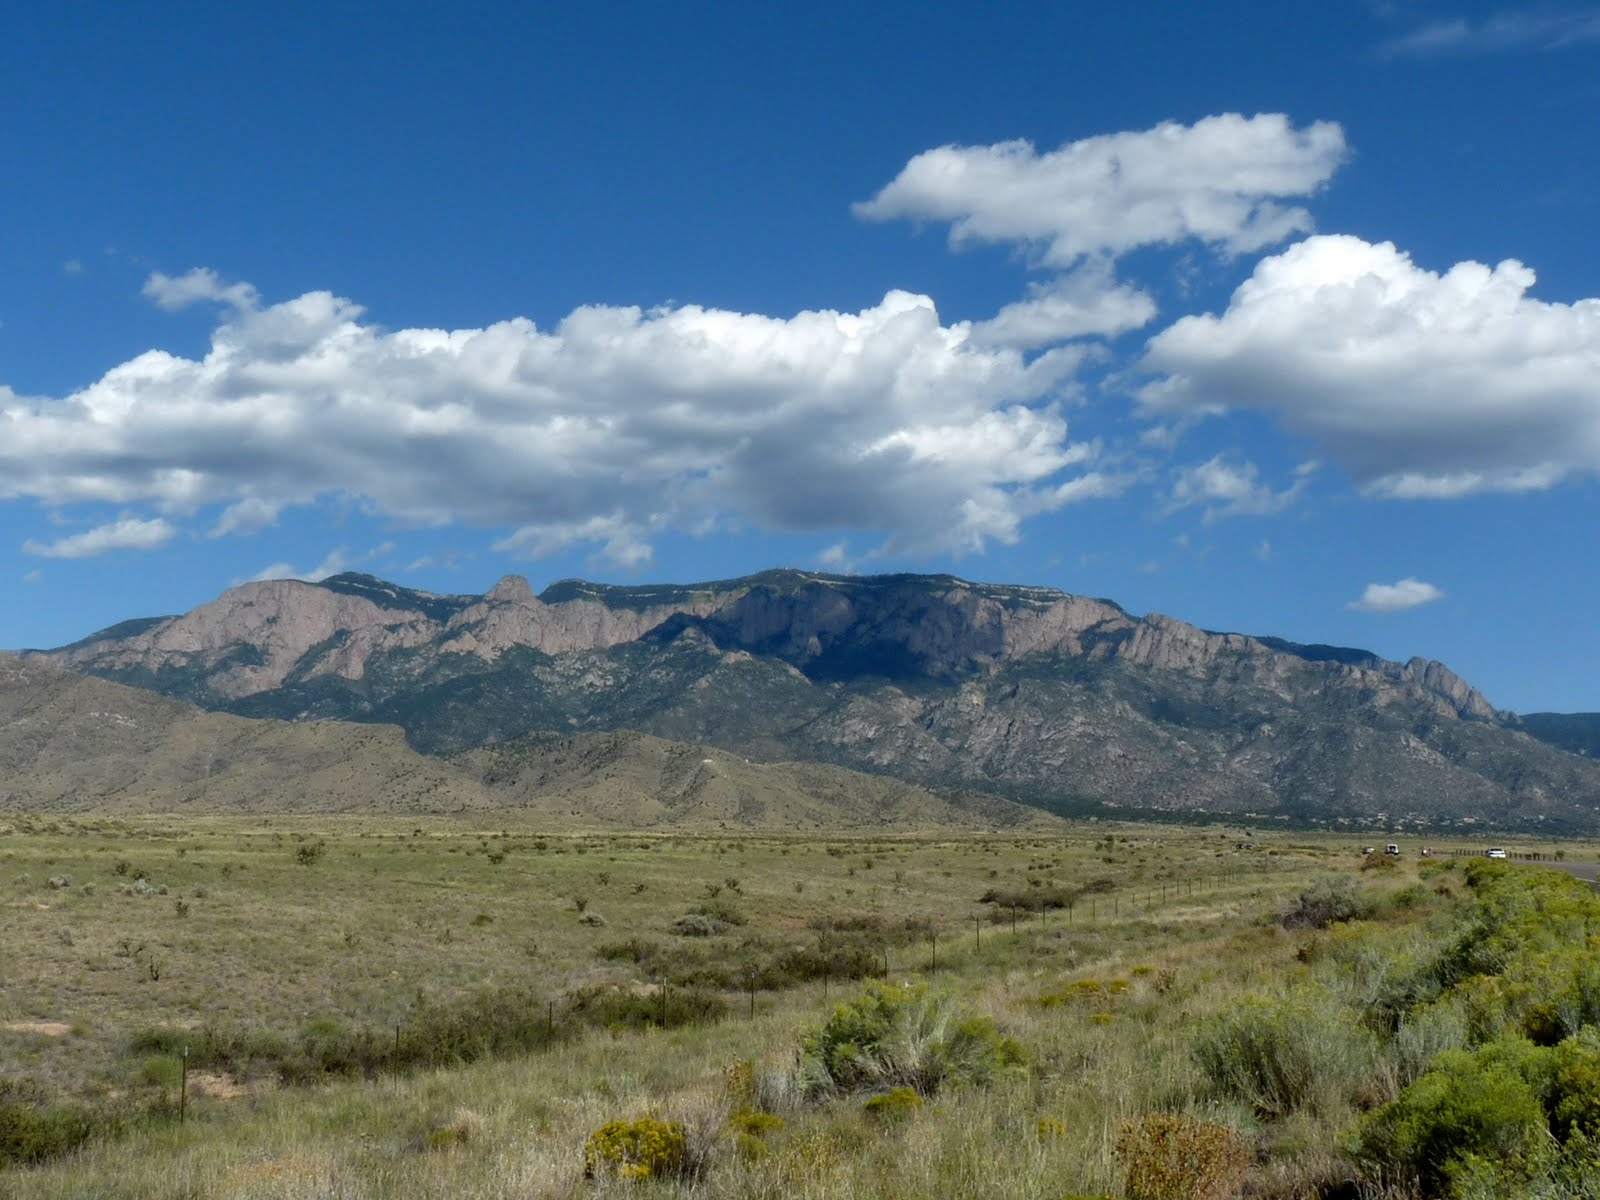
column 1276, row 318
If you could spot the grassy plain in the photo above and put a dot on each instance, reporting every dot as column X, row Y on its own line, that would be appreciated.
column 311, row 964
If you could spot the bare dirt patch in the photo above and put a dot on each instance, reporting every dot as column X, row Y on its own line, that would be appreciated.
column 44, row 1028
column 218, row 1087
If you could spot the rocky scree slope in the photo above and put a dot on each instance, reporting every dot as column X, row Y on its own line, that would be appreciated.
column 1061, row 701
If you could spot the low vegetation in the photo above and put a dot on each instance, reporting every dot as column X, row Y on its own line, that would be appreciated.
column 418, row 1010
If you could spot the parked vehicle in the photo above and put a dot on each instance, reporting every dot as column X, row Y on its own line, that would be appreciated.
column 1392, row 848
column 1495, row 852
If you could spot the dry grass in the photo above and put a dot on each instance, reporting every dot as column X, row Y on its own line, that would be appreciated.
column 391, row 910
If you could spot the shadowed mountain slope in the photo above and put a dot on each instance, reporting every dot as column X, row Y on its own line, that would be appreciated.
column 74, row 743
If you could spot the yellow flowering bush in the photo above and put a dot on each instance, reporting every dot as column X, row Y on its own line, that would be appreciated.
column 641, row 1149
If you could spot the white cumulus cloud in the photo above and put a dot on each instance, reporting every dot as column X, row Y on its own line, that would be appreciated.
column 1231, row 489
column 192, row 287
column 1083, row 303
column 1418, row 384
column 1393, row 597
column 611, row 427
column 335, row 561
column 127, row 533
column 1219, row 180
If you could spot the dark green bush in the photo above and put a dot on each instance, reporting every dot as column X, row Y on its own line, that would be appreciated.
column 492, row 1022
column 1482, row 1105
column 35, row 1131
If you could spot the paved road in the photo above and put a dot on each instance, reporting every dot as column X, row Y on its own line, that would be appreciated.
column 1581, row 870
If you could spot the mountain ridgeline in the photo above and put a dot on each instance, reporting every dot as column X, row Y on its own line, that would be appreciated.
column 1063, row 702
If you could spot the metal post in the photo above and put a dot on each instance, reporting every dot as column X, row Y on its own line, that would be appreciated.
column 183, row 1087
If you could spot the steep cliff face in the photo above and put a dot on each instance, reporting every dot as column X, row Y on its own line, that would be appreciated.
column 1058, row 699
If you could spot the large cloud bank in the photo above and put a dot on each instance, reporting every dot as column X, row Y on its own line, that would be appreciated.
column 620, row 423
column 1419, row 384
column 614, row 425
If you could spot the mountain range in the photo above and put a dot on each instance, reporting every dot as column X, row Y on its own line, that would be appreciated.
column 73, row 743
column 1065, row 703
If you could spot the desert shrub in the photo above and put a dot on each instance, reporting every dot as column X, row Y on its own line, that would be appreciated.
column 1572, row 1089
column 591, row 917
column 1030, row 899
column 309, row 852
column 1279, row 1054
column 896, row 1104
column 698, row 924
column 1331, row 898
column 903, row 1037
column 1520, row 913
column 833, row 958
column 491, row 1022
column 633, row 949
column 1407, row 898
column 720, row 908
column 754, row 1122
column 1171, row 1156
column 613, row 1007
column 1482, row 1105
column 1560, row 994
column 1385, row 973
column 34, row 1131
column 641, row 1149
column 1423, row 1035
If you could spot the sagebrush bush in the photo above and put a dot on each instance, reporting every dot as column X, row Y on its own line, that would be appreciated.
column 1172, row 1156
column 1279, row 1054
column 1330, row 899
column 698, row 924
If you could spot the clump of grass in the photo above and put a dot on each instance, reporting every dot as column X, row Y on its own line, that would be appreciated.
column 904, row 1036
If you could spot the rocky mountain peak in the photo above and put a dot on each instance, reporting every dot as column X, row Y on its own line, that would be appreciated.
column 512, row 589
